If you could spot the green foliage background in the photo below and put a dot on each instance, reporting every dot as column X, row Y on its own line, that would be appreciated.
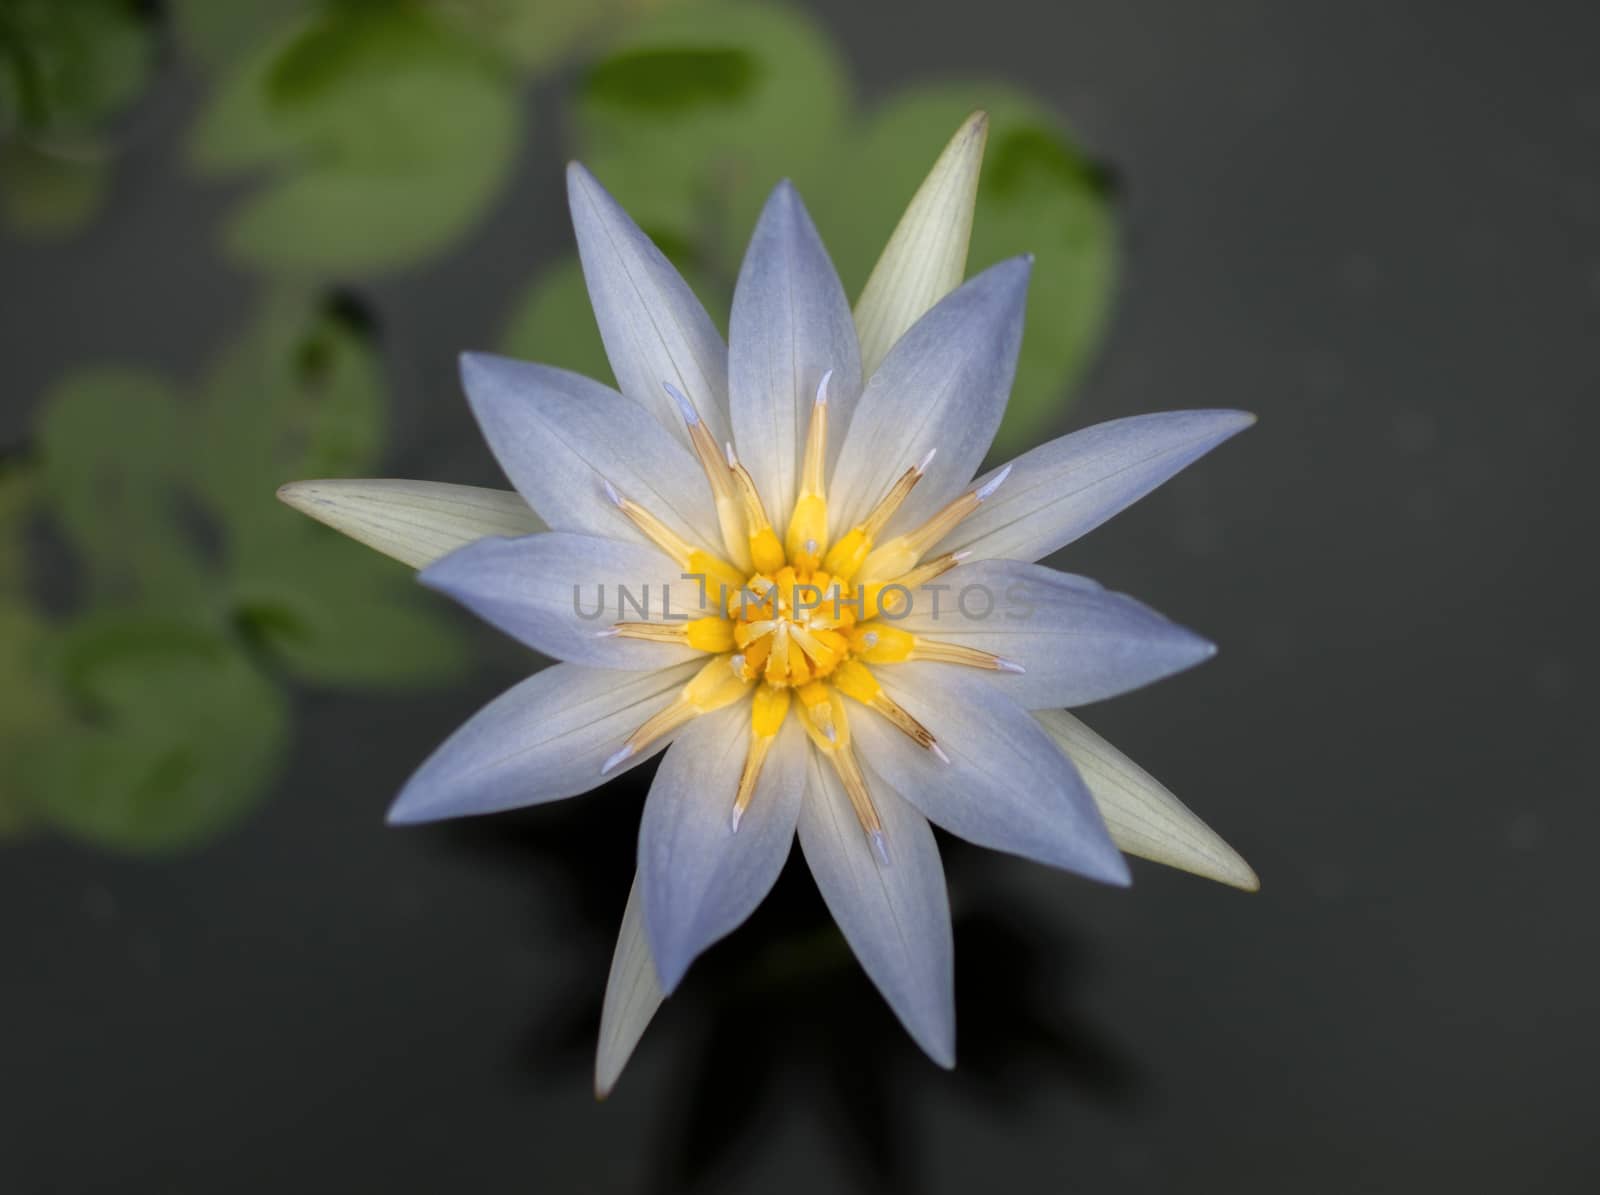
column 370, row 136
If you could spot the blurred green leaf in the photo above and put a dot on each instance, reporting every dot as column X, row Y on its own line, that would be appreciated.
column 68, row 65
column 534, row 35
column 699, row 109
column 65, row 70
column 389, row 134
column 175, row 736
column 332, row 612
column 1037, row 194
column 110, row 453
column 554, row 324
column 299, row 394
column 42, row 195
column 218, row 33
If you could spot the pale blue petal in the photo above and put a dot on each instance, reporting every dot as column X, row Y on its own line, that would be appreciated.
column 541, row 740
column 1078, row 642
column 700, row 877
column 791, row 325
column 560, row 437
column 895, row 915
column 1007, row 785
column 943, row 386
column 559, row 592
column 654, row 328
column 1071, row 485
column 632, row 996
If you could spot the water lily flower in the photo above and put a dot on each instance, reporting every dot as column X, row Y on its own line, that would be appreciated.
column 784, row 513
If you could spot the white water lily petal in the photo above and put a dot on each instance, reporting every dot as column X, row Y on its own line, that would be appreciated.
column 791, row 325
column 654, row 328
column 559, row 592
column 415, row 522
column 541, row 740
column 926, row 256
column 1007, row 785
column 560, row 437
column 632, row 996
column 943, row 386
column 1078, row 642
column 1144, row 818
column 700, row 877
column 1068, row 487
column 895, row 915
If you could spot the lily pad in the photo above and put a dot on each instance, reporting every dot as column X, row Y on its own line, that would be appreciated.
column 698, row 110
column 539, row 35
column 334, row 613
column 110, row 460
column 383, row 134
column 299, row 394
column 66, row 67
column 175, row 736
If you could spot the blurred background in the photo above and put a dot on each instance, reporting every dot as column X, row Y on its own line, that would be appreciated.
column 242, row 241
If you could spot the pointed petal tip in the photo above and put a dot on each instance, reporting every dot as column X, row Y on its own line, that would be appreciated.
column 1114, row 874
column 404, row 812
column 606, row 1073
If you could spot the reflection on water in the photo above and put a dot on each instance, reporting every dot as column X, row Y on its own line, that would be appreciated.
column 779, row 1016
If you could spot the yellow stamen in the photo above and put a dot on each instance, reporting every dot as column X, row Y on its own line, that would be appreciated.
column 777, row 669
column 856, row 681
column 808, row 525
column 768, row 709
column 954, row 653
column 767, row 712
column 845, row 557
column 717, row 573
column 713, row 687
column 729, row 507
column 664, row 537
column 886, row 598
column 881, row 643
column 749, row 776
column 766, row 553
column 821, row 654
column 711, row 633
column 901, row 553
column 824, row 715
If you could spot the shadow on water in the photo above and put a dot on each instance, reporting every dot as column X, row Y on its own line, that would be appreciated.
column 779, row 1016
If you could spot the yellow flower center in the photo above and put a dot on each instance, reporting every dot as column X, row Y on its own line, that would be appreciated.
column 791, row 627
column 797, row 620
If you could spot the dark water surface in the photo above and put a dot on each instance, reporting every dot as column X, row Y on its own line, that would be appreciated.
column 1375, row 225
